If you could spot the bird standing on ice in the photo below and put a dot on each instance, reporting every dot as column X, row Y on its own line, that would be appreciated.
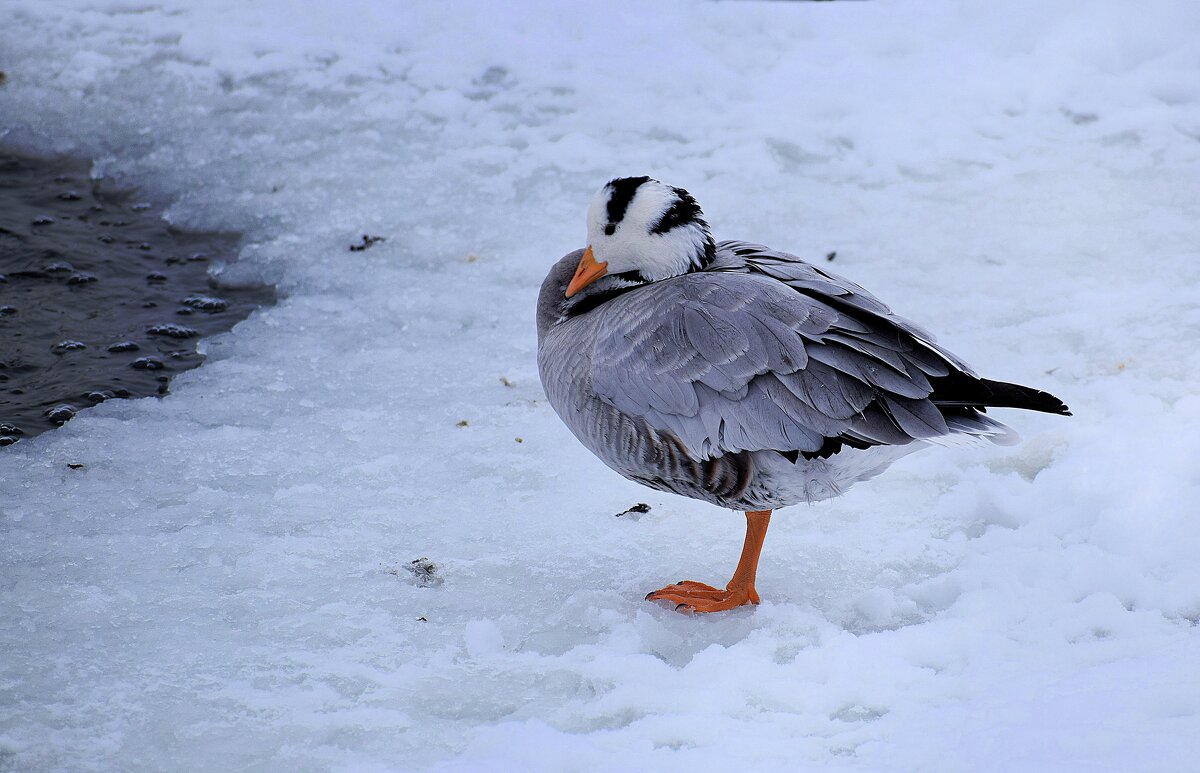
column 738, row 375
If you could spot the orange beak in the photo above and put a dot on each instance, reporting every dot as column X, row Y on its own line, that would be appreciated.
column 589, row 271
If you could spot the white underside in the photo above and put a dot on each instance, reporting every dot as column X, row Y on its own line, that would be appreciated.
column 820, row 479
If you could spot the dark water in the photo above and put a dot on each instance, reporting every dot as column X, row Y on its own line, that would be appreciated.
column 99, row 297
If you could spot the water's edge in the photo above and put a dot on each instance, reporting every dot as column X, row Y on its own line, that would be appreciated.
column 100, row 297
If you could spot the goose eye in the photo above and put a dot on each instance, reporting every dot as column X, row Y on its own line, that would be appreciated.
column 610, row 229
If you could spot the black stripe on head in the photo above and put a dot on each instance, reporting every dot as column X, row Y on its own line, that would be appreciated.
column 623, row 190
column 685, row 210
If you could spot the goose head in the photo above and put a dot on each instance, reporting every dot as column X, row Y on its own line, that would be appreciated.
column 641, row 231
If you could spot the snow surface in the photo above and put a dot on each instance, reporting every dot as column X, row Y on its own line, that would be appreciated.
column 223, row 586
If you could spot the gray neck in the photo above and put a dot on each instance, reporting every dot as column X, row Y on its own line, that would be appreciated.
column 552, row 298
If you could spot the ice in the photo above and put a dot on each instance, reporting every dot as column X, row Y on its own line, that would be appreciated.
column 222, row 585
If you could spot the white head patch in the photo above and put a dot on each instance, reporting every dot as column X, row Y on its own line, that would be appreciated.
column 639, row 224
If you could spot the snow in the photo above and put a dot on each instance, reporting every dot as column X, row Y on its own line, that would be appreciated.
column 223, row 585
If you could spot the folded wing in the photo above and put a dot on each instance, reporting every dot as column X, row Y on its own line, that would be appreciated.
column 772, row 353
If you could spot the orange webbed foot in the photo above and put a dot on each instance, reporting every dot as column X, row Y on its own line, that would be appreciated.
column 691, row 596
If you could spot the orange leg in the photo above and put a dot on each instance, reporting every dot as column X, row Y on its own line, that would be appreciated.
column 697, row 597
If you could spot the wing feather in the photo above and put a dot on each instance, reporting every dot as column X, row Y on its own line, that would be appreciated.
column 768, row 353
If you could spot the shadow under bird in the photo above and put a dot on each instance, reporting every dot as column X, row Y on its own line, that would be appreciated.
column 739, row 375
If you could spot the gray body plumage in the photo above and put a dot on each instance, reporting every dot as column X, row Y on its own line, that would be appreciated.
column 759, row 382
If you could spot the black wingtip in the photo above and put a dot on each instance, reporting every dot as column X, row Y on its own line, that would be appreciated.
column 1047, row 403
column 1017, row 396
column 958, row 389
